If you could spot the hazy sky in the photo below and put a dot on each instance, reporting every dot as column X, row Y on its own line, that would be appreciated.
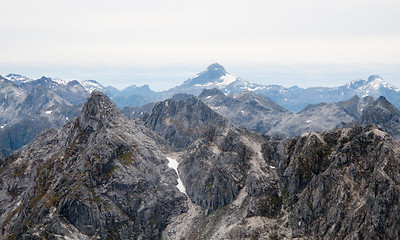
column 162, row 43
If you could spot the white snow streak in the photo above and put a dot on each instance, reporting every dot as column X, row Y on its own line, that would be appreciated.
column 227, row 79
column 174, row 165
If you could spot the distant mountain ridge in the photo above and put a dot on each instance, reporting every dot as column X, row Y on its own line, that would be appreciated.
column 29, row 106
column 215, row 76
column 251, row 111
column 292, row 98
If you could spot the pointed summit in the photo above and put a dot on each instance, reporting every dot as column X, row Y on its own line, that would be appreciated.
column 217, row 68
column 97, row 112
column 214, row 76
column 373, row 77
column 211, row 92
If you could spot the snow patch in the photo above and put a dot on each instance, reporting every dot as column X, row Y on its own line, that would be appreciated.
column 60, row 81
column 91, row 85
column 17, row 78
column 226, row 80
column 195, row 76
column 174, row 165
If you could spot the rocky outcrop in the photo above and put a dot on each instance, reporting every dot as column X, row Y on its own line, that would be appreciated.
column 181, row 122
column 341, row 184
column 251, row 111
column 105, row 176
column 380, row 112
column 214, row 169
column 246, row 109
column 100, row 176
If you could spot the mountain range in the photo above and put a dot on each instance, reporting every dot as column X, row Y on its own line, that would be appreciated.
column 183, row 171
column 214, row 158
column 31, row 106
column 251, row 111
column 293, row 98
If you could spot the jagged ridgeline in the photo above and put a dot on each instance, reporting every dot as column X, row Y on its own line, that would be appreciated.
column 104, row 176
column 30, row 106
column 100, row 176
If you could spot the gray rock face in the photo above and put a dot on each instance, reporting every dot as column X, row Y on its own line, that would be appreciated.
column 380, row 112
column 106, row 176
column 246, row 109
column 216, row 155
column 214, row 169
column 262, row 115
column 249, row 110
column 26, row 111
column 341, row 184
column 100, row 176
column 182, row 122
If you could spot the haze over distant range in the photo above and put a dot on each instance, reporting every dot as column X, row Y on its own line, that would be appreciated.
column 162, row 43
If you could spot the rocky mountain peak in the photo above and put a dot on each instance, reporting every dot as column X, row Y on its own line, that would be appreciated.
column 216, row 67
column 97, row 112
column 211, row 92
column 17, row 78
column 212, row 75
column 182, row 96
column 383, row 103
column 45, row 79
column 373, row 77
column 355, row 84
column 379, row 112
column 73, row 83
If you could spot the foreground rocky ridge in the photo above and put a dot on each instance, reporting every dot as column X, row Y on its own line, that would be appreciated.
column 101, row 175
column 341, row 184
column 105, row 176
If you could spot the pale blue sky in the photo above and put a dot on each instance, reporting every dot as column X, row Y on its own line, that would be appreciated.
column 162, row 43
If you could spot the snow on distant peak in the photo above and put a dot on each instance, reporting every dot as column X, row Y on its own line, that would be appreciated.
column 92, row 85
column 227, row 79
column 60, row 81
column 17, row 78
column 195, row 76
column 375, row 82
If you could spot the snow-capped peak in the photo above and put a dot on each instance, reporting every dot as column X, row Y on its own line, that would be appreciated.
column 60, row 81
column 375, row 87
column 92, row 85
column 17, row 78
column 222, row 81
column 375, row 82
